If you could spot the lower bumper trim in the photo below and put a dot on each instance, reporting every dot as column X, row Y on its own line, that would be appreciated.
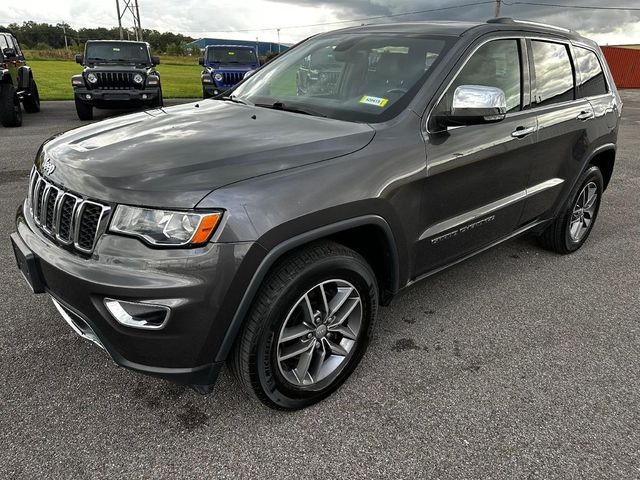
column 78, row 325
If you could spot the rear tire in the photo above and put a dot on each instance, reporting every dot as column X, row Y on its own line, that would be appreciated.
column 568, row 232
column 336, row 331
column 84, row 110
column 31, row 103
column 10, row 110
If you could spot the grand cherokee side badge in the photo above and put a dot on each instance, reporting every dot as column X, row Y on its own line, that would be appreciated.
column 48, row 166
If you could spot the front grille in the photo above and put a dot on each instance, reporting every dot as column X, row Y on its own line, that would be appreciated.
column 65, row 217
column 229, row 79
column 116, row 81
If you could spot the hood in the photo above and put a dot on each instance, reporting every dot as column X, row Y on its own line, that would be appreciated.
column 173, row 157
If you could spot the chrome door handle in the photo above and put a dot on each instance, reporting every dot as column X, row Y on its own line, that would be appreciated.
column 521, row 132
column 585, row 115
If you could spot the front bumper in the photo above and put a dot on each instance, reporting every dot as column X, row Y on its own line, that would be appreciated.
column 116, row 98
column 193, row 283
column 214, row 90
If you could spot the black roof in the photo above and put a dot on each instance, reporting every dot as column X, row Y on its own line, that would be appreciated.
column 456, row 28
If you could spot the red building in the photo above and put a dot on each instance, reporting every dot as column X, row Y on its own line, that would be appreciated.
column 624, row 63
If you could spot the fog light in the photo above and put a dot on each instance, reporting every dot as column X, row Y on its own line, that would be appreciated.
column 144, row 96
column 88, row 96
column 138, row 315
column 216, row 92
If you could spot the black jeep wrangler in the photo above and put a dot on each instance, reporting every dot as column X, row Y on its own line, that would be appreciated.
column 117, row 74
column 16, row 83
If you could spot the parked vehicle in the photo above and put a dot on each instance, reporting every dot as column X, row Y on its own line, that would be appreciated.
column 225, row 66
column 176, row 245
column 16, row 83
column 116, row 74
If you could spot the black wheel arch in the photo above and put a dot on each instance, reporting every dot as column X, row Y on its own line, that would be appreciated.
column 372, row 227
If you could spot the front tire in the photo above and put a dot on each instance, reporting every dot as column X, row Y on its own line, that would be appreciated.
column 572, row 227
column 308, row 328
column 84, row 110
column 31, row 103
column 10, row 110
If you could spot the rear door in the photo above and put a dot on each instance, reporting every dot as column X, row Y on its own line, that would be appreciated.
column 10, row 62
column 477, row 174
column 564, row 121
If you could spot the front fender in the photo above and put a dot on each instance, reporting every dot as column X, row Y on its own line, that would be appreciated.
column 24, row 77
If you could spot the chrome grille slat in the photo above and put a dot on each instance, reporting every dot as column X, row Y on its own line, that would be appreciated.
column 68, row 218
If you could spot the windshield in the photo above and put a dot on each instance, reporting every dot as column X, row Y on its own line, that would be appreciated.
column 117, row 52
column 354, row 77
column 231, row 55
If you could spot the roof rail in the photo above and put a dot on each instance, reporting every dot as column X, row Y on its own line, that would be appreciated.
column 513, row 21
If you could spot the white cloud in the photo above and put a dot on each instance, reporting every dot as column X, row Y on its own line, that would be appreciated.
column 200, row 18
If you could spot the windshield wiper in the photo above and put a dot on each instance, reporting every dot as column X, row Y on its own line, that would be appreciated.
column 287, row 108
column 234, row 99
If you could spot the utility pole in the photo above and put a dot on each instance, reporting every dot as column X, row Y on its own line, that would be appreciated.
column 129, row 6
column 119, row 19
column 498, row 5
column 64, row 30
column 278, row 41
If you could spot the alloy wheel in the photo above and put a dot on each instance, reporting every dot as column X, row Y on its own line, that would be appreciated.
column 320, row 331
column 583, row 212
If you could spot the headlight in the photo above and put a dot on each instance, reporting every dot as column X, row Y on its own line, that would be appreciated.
column 91, row 78
column 217, row 77
column 138, row 78
column 165, row 227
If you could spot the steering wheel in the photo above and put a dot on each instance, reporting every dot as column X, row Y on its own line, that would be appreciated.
column 398, row 90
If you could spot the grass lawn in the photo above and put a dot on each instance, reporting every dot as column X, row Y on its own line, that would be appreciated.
column 54, row 78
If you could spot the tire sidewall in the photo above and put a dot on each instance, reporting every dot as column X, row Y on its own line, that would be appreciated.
column 272, row 383
column 592, row 174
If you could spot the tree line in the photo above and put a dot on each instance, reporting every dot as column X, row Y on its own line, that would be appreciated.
column 45, row 36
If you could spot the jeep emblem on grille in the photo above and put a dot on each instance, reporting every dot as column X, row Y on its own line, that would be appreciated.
column 48, row 166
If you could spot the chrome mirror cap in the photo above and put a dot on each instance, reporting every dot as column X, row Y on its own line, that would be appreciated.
column 476, row 104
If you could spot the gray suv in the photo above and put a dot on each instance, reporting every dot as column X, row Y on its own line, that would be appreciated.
column 269, row 244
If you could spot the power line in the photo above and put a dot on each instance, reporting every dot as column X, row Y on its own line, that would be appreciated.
column 583, row 7
column 338, row 22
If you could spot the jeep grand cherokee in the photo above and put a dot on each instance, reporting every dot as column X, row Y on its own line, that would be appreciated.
column 177, row 246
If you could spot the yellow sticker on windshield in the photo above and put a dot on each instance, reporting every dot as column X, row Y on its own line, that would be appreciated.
column 377, row 101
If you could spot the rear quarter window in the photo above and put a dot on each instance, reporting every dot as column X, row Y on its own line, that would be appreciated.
column 592, row 80
column 554, row 82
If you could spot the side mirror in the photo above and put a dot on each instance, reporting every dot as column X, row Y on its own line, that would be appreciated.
column 80, row 59
column 155, row 60
column 201, row 61
column 475, row 105
column 9, row 52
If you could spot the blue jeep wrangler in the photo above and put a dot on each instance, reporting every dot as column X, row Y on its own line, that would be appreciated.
column 224, row 66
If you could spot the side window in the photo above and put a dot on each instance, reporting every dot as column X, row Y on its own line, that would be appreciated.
column 553, row 73
column 592, row 81
column 3, row 44
column 495, row 64
column 16, row 45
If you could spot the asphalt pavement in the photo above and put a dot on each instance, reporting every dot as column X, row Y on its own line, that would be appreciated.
column 518, row 363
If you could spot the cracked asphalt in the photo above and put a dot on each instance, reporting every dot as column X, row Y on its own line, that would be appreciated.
column 518, row 363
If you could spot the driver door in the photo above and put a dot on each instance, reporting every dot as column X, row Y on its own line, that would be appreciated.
column 477, row 174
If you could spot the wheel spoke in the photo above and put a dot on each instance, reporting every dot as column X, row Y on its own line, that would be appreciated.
column 325, row 302
column 303, row 365
column 338, row 300
column 343, row 330
column 294, row 332
column 317, row 363
column 336, row 348
column 296, row 349
column 349, row 307
column 308, row 309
